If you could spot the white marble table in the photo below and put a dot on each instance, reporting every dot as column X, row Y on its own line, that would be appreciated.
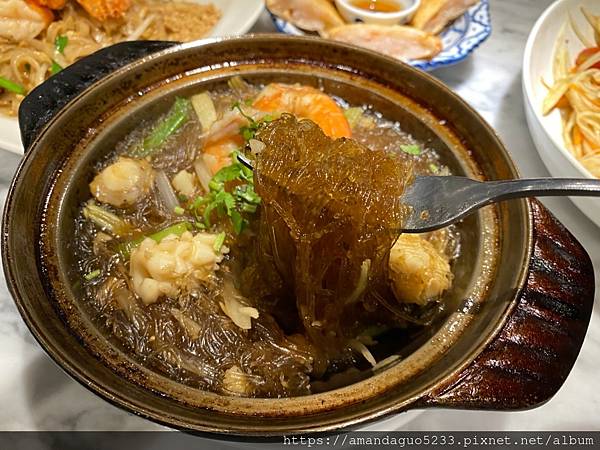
column 36, row 395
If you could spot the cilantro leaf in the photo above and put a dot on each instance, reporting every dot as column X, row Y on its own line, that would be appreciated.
column 237, row 222
column 231, row 194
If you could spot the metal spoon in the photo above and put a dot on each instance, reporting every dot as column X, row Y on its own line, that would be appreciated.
column 440, row 201
column 437, row 202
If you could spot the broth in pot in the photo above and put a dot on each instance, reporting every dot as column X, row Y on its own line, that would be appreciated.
column 270, row 283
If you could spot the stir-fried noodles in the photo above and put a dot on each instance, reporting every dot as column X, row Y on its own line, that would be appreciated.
column 36, row 42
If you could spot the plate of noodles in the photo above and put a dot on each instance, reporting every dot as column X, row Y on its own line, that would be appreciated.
column 40, row 37
column 561, row 81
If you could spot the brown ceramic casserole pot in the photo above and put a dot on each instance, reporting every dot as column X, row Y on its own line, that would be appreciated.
column 518, row 311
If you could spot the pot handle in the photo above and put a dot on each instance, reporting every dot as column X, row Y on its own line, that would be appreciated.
column 38, row 108
column 529, row 360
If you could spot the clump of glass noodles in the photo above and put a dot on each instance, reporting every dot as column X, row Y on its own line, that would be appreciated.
column 270, row 283
column 331, row 211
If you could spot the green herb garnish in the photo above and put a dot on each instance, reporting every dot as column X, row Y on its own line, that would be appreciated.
column 60, row 42
column 55, row 68
column 93, row 274
column 248, row 131
column 11, row 86
column 353, row 115
column 219, row 242
column 411, row 149
column 177, row 229
column 434, row 168
column 179, row 210
column 175, row 118
column 231, row 194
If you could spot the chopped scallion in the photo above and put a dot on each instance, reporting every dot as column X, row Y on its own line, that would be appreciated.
column 205, row 110
column 55, row 68
column 177, row 229
column 91, row 275
column 411, row 149
column 353, row 116
column 60, row 42
column 434, row 168
column 175, row 118
column 11, row 86
column 179, row 210
column 105, row 219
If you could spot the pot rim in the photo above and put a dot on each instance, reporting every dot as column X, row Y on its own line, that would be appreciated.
column 115, row 397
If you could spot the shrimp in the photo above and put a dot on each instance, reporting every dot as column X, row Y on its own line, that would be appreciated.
column 305, row 102
column 52, row 4
column 105, row 9
column 21, row 20
column 223, row 138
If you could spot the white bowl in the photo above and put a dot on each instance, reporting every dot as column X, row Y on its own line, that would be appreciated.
column 537, row 65
column 352, row 14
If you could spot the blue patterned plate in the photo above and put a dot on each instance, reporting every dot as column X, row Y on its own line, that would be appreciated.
column 460, row 38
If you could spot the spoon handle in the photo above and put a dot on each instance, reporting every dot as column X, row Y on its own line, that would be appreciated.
column 539, row 187
column 438, row 201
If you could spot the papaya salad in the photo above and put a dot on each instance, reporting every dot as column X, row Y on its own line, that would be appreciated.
column 575, row 93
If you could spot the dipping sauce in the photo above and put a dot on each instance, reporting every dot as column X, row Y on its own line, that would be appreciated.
column 384, row 6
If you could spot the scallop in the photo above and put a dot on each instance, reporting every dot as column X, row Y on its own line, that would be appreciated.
column 123, row 183
column 398, row 41
column 419, row 273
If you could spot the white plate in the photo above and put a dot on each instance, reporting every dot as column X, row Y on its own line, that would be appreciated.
column 237, row 17
column 546, row 131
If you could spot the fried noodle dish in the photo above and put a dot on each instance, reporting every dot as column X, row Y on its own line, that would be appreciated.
column 38, row 38
column 576, row 93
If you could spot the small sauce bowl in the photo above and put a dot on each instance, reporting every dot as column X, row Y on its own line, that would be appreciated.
column 383, row 12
